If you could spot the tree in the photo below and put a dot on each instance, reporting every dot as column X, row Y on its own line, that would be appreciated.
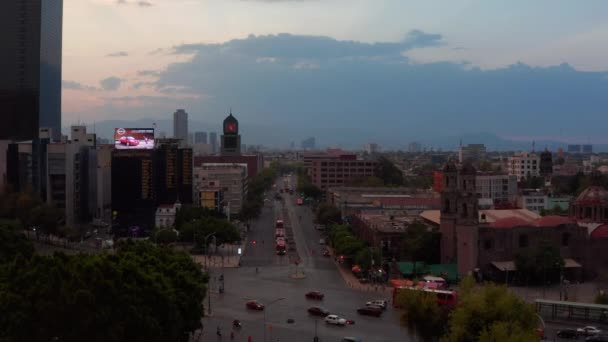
column 421, row 313
column 541, row 264
column 165, row 236
column 490, row 313
column 140, row 293
column 327, row 214
column 601, row 298
column 364, row 257
column 13, row 244
column 47, row 217
column 421, row 244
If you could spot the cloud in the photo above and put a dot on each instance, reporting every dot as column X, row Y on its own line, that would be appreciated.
column 118, row 54
column 75, row 85
column 148, row 73
column 141, row 3
column 110, row 83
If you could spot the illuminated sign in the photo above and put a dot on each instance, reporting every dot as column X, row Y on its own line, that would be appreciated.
column 133, row 138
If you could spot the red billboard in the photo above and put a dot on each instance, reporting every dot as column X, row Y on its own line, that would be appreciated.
column 134, row 138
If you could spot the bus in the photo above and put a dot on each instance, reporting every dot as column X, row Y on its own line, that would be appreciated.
column 281, row 246
column 447, row 298
column 279, row 229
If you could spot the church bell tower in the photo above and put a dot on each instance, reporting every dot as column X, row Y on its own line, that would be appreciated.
column 231, row 139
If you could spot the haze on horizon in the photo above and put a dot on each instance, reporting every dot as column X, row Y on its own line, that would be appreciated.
column 372, row 68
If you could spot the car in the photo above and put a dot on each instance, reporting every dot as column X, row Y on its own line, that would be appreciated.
column 315, row 295
column 326, row 253
column 335, row 320
column 370, row 311
column 350, row 339
column 588, row 331
column 321, row 241
column 318, row 311
column 254, row 305
column 378, row 302
column 129, row 141
column 567, row 333
column 597, row 338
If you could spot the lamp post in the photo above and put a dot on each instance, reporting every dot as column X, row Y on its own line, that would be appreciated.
column 267, row 306
column 208, row 268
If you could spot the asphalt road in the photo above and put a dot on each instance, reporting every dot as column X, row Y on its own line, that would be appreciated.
column 274, row 286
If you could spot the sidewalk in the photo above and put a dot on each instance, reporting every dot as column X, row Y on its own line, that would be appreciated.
column 384, row 291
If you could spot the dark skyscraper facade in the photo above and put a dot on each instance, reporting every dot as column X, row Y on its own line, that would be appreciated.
column 30, row 65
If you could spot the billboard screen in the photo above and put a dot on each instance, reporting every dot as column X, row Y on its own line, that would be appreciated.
column 134, row 138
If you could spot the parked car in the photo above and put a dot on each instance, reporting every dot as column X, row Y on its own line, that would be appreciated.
column 315, row 295
column 318, row 311
column 588, row 331
column 254, row 305
column 370, row 311
column 326, row 253
column 597, row 338
column 567, row 333
column 378, row 302
column 335, row 320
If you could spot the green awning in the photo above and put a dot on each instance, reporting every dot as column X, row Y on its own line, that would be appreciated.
column 444, row 270
column 406, row 268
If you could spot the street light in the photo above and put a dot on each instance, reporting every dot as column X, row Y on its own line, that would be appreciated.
column 267, row 306
column 208, row 268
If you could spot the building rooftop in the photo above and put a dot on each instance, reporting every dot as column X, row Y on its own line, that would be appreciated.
column 487, row 216
column 385, row 223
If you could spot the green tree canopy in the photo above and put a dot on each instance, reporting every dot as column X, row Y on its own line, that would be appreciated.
column 13, row 244
column 541, row 264
column 388, row 172
column 421, row 314
column 490, row 313
column 140, row 293
column 328, row 214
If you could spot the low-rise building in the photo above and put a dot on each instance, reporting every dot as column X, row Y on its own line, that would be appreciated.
column 524, row 165
column 336, row 168
column 231, row 178
column 165, row 215
column 495, row 189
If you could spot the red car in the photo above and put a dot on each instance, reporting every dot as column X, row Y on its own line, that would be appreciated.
column 129, row 141
column 370, row 311
column 317, row 311
column 315, row 295
column 254, row 305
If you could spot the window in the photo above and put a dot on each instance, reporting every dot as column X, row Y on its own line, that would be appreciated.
column 523, row 241
column 488, row 244
column 565, row 239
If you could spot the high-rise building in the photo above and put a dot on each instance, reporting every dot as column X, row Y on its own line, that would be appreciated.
column 30, row 65
column 180, row 126
column 587, row 148
column 546, row 163
column 200, row 137
column 575, row 148
column 213, row 141
column 371, row 148
column 231, row 139
column 524, row 165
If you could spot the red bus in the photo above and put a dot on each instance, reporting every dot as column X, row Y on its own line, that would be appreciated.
column 281, row 246
column 279, row 224
column 444, row 297
column 279, row 232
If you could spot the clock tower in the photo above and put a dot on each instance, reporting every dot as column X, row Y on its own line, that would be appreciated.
column 231, row 139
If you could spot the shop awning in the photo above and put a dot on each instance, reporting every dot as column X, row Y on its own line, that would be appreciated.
column 508, row 266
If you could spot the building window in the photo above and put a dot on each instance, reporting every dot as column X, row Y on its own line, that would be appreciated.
column 565, row 239
column 523, row 241
column 488, row 244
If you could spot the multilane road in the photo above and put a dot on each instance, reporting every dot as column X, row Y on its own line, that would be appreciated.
column 273, row 284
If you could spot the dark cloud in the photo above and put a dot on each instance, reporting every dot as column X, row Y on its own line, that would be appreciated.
column 76, row 86
column 110, row 83
column 118, row 54
column 370, row 90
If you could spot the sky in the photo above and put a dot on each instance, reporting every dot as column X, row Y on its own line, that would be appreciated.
column 344, row 70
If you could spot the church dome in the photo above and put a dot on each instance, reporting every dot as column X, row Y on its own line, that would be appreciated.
column 593, row 195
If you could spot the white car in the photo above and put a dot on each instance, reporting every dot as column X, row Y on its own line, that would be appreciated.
column 335, row 320
column 379, row 302
column 588, row 331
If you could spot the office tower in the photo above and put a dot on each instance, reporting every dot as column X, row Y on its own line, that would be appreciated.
column 308, row 143
column 200, row 137
column 231, row 139
column 213, row 141
column 30, row 65
column 180, row 125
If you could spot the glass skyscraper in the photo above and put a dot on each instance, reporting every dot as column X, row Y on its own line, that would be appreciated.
column 30, row 67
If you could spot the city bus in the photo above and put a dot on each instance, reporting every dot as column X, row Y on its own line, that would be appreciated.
column 444, row 297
